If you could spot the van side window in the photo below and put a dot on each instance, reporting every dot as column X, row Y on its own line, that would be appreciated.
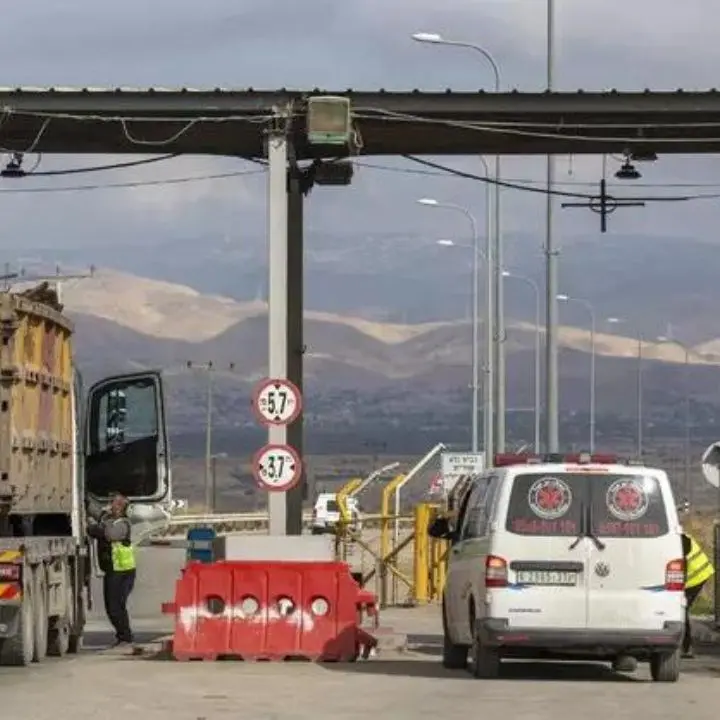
column 479, row 508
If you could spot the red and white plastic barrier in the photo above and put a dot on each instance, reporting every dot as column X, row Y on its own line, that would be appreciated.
column 270, row 611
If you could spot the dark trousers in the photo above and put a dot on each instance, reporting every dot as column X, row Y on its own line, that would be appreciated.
column 117, row 587
column 691, row 595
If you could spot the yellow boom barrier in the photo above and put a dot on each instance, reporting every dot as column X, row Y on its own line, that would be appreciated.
column 429, row 555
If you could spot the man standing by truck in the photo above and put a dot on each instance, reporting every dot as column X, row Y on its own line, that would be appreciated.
column 116, row 558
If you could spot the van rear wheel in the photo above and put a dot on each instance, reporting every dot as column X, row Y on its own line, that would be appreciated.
column 665, row 667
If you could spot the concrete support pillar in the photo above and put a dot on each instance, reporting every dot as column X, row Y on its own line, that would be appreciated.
column 285, row 311
column 295, row 341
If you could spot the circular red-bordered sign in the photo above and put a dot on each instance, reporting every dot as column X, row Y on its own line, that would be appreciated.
column 277, row 401
column 277, row 468
column 627, row 500
column 550, row 498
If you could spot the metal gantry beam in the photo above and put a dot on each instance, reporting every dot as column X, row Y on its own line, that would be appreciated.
column 232, row 122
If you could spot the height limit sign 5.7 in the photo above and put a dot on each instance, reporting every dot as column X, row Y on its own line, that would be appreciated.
column 277, row 402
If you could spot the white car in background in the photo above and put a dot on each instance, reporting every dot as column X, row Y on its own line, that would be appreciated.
column 326, row 513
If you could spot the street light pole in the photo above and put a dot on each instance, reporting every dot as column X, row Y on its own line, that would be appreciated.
column 639, row 388
column 551, row 320
column 591, row 310
column 495, row 272
column 537, row 389
column 686, row 440
column 209, row 367
column 488, row 384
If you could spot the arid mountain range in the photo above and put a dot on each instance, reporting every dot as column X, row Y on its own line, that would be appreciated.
column 156, row 322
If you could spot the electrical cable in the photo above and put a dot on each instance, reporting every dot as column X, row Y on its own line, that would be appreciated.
column 530, row 181
column 373, row 113
column 102, row 168
column 401, row 117
column 556, row 193
column 507, row 129
column 131, row 184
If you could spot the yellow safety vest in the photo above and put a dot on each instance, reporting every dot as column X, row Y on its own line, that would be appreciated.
column 123, row 555
column 698, row 566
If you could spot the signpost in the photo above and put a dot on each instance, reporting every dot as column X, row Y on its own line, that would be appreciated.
column 455, row 465
column 277, row 402
column 277, row 468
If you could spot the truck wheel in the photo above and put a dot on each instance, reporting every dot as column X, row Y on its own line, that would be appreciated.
column 40, row 613
column 60, row 627
column 19, row 649
column 665, row 667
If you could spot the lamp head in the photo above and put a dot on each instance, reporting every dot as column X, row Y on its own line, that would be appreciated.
column 427, row 37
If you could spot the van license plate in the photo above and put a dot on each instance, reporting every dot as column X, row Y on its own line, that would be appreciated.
column 546, row 577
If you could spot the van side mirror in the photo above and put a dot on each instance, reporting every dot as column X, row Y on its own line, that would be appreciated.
column 440, row 529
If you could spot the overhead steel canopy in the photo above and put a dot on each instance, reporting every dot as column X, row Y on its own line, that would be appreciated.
column 233, row 122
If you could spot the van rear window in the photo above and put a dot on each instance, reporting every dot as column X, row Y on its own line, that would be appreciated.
column 628, row 506
column 542, row 504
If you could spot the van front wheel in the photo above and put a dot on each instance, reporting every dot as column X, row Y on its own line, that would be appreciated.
column 665, row 667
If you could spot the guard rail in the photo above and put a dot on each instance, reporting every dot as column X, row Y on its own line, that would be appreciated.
column 248, row 522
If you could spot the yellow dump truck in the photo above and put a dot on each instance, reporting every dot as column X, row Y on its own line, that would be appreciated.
column 57, row 447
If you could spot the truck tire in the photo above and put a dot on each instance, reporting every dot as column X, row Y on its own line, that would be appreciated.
column 665, row 667
column 61, row 626
column 18, row 651
column 40, row 613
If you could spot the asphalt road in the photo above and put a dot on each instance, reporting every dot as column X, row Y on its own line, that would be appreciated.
column 100, row 683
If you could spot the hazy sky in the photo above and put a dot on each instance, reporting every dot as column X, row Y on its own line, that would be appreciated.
column 332, row 44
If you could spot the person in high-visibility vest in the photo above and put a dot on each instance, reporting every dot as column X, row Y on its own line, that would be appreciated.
column 116, row 558
column 698, row 570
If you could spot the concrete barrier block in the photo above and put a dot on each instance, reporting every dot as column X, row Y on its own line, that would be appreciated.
column 310, row 548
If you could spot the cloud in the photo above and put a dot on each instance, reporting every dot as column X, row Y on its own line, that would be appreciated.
column 274, row 43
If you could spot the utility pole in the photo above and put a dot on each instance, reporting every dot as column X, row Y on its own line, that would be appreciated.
column 209, row 368
column 551, row 291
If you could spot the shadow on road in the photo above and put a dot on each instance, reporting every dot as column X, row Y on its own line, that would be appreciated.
column 513, row 670
column 96, row 640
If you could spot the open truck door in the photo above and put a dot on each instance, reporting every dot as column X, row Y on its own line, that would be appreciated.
column 126, row 444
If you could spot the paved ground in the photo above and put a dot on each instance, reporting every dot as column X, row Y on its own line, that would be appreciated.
column 407, row 685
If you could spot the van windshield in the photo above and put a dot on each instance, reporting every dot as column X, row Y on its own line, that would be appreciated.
column 624, row 506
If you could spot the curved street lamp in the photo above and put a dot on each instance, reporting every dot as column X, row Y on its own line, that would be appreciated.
column 488, row 406
column 497, row 265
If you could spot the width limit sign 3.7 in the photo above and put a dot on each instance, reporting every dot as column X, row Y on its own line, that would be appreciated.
column 277, row 468
column 277, row 402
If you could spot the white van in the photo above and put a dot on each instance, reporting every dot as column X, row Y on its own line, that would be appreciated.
column 568, row 558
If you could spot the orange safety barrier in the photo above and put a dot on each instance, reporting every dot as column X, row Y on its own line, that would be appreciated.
column 270, row 611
